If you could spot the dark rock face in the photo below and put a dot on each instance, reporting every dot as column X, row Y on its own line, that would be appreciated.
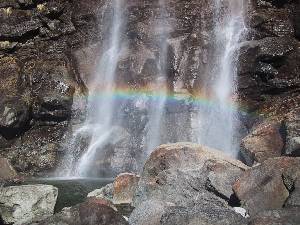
column 39, row 78
column 271, row 185
column 187, row 181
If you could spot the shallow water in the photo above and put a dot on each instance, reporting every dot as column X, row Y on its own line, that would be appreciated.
column 72, row 191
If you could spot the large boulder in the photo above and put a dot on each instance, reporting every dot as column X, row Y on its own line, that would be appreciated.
column 264, row 142
column 279, row 216
column 91, row 212
column 189, row 176
column 22, row 204
column 269, row 185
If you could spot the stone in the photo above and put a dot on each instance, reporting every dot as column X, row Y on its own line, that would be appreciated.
column 125, row 186
column 279, row 216
column 268, row 186
column 190, row 168
column 292, row 125
column 92, row 211
column 264, row 142
column 185, row 175
column 7, row 172
column 22, row 204
column 105, row 192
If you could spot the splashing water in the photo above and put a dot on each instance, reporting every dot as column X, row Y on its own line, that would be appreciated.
column 99, row 122
column 218, row 123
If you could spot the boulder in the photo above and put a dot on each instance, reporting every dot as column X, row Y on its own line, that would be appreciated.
column 22, row 204
column 269, row 185
column 264, row 142
column 279, row 216
column 124, row 188
column 188, row 176
column 7, row 172
column 91, row 212
column 105, row 192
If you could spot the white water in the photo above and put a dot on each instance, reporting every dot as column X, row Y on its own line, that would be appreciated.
column 218, row 122
column 157, row 105
column 101, row 99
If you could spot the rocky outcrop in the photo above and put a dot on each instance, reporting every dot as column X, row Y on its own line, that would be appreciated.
column 124, row 188
column 279, row 216
column 264, row 142
column 270, row 185
column 93, row 211
column 23, row 204
column 187, row 181
column 7, row 172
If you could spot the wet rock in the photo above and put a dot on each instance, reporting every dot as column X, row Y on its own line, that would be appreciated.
column 197, row 169
column 292, row 125
column 264, row 142
column 124, row 188
column 22, row 204
column 279, row 216
column 7, row 172
column 267, row 186
column 36, row 151
column 185, row 175
column 105, row 192
column 93, row 211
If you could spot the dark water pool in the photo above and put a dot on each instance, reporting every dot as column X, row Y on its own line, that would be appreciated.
column 72, row 191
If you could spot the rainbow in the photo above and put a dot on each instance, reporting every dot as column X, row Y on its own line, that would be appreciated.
column 199, row 100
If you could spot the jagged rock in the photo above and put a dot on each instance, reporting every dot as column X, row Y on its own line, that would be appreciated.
column 264, row 142
column 105, row 192
column 37, row 151
column 267, row 186
column 292, row 125
column 7, row 172
column 93, row 211
column 124, row 188
column 280, row 216
column 22, row 204
column 186, row 174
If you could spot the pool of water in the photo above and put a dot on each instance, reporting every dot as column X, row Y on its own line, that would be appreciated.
column 72, row 191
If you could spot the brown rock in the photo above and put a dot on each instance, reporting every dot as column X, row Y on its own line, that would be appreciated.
column 7, row 172
column 281, row 217
column 264, row 142
column 95, row 211
column 124, row 188
column 267, row 186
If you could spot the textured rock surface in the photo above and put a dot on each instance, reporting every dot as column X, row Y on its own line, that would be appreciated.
column 7, row 172
column 262, row 143
column 269, row 185
column 194, row 179
column 124, row 188
column 93, row 211
column 23, row 204
column 280, row 216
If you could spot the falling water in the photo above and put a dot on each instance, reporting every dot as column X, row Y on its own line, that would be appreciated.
column 157, row 105
column 101, row 106
column 218, row 122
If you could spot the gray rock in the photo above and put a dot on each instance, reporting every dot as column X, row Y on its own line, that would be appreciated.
column 265, row 141
column 22, row 204
column 292, row 124
column 7, row 172
column 269, row 185
column 193, row 180
column 105, row 192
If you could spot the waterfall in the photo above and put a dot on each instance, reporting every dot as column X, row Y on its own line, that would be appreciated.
column 218, row 121
column 101, row 101
column 157, row 103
